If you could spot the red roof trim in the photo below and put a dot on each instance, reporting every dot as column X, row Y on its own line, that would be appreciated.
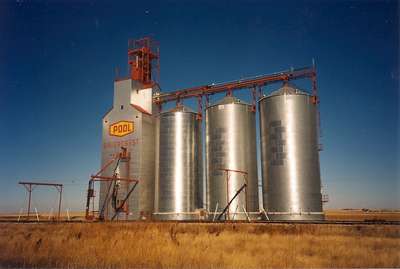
column 121, row 79
column 141, row 109
column 108, row 111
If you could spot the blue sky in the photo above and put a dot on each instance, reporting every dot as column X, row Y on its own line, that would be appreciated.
column 57, row 62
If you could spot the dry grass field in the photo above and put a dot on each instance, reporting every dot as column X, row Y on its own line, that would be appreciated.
column 198, row 245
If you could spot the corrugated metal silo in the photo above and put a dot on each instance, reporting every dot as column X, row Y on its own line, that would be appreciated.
column 289, row 155
column 179, row 165
column 231, row 144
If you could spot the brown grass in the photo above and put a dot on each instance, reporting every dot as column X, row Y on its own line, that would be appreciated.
column 194, row 245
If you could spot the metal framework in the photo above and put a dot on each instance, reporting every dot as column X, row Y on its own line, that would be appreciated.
column 29, row 186
column 253, row 84
column 244, row 187
column 90, row 215
column 143, row 57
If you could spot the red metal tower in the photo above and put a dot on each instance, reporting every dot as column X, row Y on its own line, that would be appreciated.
column 144, row 58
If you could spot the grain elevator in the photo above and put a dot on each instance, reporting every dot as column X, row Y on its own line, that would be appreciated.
column 188, row 164
column 129, row 139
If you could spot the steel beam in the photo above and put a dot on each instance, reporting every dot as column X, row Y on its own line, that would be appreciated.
column 249, row 83
column 29, row 186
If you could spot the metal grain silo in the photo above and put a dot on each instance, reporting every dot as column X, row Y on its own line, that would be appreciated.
column 231, row 144
column 178, row 187
column 290, row 155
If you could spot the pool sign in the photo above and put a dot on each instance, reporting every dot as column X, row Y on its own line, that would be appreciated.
column 121, row 128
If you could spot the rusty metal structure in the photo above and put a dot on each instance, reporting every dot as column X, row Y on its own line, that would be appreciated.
column 29, row 186
column 252, row 84
column 118, row 192
column 242, row 186
column 143, row 59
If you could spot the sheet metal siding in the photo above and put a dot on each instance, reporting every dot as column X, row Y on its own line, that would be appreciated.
column 111, row 147
column 231, row 143
column 290, row 157
column 140, row 145
column 179, row 171
column 147, row 166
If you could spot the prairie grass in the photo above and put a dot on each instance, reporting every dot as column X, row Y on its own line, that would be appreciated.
column 198, row 245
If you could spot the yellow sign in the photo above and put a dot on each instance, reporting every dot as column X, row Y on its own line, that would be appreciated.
column 121, row 128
